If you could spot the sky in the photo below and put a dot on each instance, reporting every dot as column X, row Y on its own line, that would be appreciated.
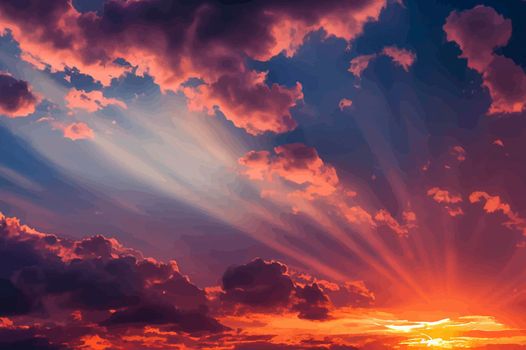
column 262, row 174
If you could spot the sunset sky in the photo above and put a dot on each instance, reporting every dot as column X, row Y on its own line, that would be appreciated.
column 262, row 174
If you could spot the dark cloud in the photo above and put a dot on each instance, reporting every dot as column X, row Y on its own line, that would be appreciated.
column 161, row 314
column 93, row 290
column 266, row 286
column 258, row 283
column 16, row 99
column 312, row 303
column 96, row 274
column 12, row 300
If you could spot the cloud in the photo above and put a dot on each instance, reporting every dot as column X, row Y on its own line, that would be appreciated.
column 295, row 163
column 479, row 32
column 96, row 293
column 443, row 196
column 313, row 303
column 248, row 102
column 494, row 204
column 451, row 201
column 41, row 273
column 75, row 131
column 197, row 39
column 360, row 63
column 92, row 101
column 266, row 286
column 16, row 99
column 401, row 57
column 384, row 217
column 459, row 153
column 160, row 314
column 258, row 283
column 344, row 103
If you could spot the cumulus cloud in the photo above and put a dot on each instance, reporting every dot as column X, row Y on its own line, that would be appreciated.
column 92, row 101
column 479, row 32
column 16, row 99
column 295, row 163
column 197, row 39
column 248, row 102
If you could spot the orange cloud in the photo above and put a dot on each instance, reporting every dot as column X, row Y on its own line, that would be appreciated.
column 450, row 200
column 443, row 196
column 92, row 101
column 493, row 204
column 385, row 218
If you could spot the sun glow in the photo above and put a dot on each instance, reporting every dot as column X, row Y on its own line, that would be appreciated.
column 464, row 332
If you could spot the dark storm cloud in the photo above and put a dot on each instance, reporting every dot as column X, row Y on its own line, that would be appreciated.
column 16, row 98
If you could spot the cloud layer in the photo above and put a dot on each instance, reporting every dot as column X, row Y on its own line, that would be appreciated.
column 198, row 39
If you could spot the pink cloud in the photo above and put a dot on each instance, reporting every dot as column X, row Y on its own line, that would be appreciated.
column 16, row 98
column 344, row 103
column 478, row 32
column 76, row 131
column 360, row 63
column 193, row 40
column 295, row 163
column 248, row 102
column 92, row 101
column 356, row 214
column 401, row 57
